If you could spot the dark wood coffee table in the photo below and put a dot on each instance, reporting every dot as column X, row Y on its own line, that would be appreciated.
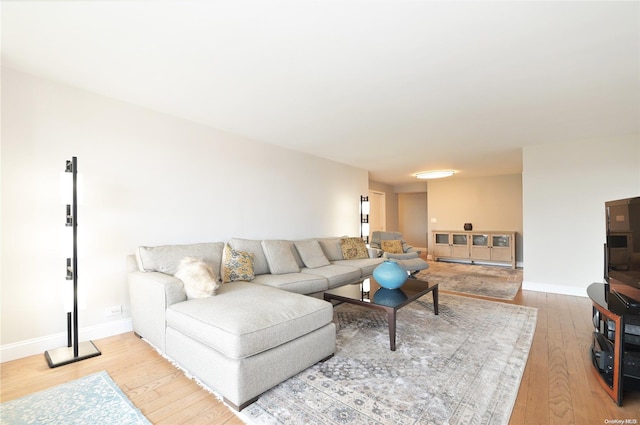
column 370, row 294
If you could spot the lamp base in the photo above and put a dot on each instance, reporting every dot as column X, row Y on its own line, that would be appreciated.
column 64, row 355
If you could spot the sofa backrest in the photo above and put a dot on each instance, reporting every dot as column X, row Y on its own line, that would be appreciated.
column 379, row 236
column 268, row 256
column 331, row 248
column 167, row 258
column 254, row 246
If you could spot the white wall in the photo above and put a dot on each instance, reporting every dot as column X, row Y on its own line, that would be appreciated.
column 565, row 187
column 391, row 204
column 149, row 179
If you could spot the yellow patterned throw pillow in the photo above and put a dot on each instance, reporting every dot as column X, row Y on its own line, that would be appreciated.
column 353, row 248
column 236, row 265
column 391, row 246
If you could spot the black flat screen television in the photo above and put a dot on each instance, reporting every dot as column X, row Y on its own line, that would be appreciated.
column 622, row 248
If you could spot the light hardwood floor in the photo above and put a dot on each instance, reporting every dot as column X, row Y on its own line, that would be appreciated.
column 558, row 385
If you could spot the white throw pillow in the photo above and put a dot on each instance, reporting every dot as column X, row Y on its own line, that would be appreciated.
column 199, row 279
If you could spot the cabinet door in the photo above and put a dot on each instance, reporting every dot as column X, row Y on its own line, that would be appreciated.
column 441, row 244
column 480, row 249
column 460, row 245
column 501, row 247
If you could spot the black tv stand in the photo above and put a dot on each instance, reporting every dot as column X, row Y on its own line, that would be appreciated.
column 628, row 303
column 615, row 350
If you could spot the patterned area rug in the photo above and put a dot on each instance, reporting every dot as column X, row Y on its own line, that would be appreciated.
column 487, row 281
column 463, row 366
column 94, row 399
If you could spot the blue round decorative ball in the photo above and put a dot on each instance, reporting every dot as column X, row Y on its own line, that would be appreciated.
column 389, row 297
column 390, row 275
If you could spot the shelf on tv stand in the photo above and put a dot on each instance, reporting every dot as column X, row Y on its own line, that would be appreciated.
column 611, row 355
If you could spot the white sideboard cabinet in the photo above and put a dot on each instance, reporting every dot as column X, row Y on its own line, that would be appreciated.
column 451, row 245
column 475, row 246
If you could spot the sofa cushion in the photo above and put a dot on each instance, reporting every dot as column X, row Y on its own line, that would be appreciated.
column 404, row 256
column 311, row 254
column 237, row 265
column 245, row 319
column 392, row 246
column 300, row 283
column 353, row 248
column 166, row 258
column 198, row 278
column 280, row 257
column 337, row 275
column 331, row 248
column 413, row 264
column 296, row 255
column 366, row 266
column 260, row 265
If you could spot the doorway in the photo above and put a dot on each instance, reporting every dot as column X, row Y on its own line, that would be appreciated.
column 377, row 212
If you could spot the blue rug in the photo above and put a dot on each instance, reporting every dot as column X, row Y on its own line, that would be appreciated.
column 94, row 399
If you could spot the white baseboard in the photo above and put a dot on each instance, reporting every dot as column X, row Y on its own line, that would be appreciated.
column 555, row 289
column 30, row 347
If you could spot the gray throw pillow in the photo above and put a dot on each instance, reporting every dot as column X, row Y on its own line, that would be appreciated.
column 311, row 254
column 280, row 257
column 331, row 248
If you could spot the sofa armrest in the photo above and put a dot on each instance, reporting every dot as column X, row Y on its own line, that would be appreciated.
column 412, row 249
column 151, row 293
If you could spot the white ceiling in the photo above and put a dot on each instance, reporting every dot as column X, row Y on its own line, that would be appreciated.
column 394, row 87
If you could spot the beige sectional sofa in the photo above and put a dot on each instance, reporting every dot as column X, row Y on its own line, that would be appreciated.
column 253, row 333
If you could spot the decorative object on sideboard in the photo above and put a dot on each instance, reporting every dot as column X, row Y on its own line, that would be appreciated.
column 364, row 218
column 74, row 351
column 390, row 275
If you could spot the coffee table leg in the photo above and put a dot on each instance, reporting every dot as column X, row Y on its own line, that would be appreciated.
column 435, row 300
column 391, row 318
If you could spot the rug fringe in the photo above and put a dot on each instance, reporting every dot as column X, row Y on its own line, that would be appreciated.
column 201, row 384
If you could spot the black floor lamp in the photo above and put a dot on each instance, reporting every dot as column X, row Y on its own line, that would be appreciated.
column 76, row 351
column 364, row 218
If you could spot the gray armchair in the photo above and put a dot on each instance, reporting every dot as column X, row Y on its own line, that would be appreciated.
column 409, row 259
column 407, row 250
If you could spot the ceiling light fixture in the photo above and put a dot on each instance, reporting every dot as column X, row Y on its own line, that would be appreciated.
column 435, row 174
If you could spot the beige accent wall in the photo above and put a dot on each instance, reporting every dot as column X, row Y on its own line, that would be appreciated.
column 412, row 211
column 488, row 203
